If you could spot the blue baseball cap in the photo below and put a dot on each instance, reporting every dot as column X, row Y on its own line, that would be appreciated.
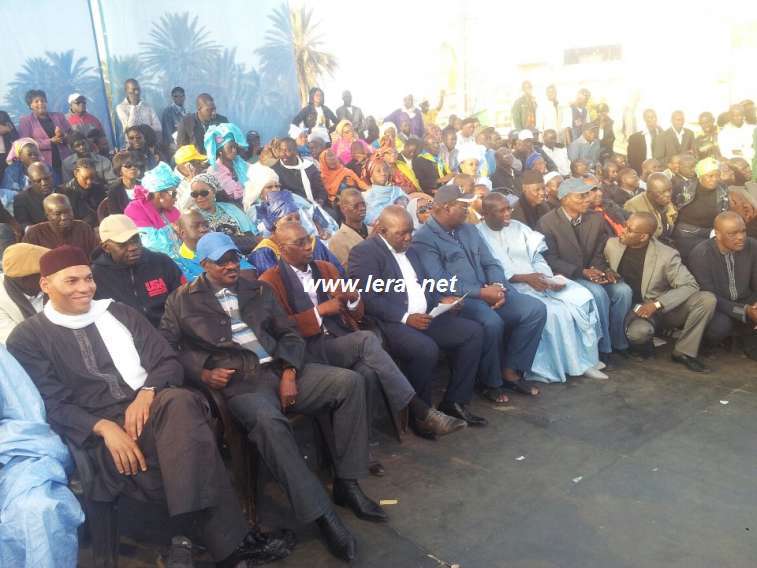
column 573, row 185
column 213, row 246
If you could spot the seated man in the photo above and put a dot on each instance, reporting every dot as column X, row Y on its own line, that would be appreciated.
column 190, row 227
column 658, row 201
column 569, row 340
column 329, row 324
column 575, row 244
column 61, row 228
column 531, row 204
column 727, row 267
column 20, row 296
column 512, row 322
column 627, row 187
column 412, row 335
column 664, row 292
column 27, row 204
column 131, row 274
column 109, row 382
column 81, row 148
column 40, row 514
column 85, row 192
column 233, row 336
column 353, row 229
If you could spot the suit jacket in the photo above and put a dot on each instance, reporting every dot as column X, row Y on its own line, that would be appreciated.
column 570, row 251
column 637, row 149
column 373, row 258
column 199, row 330
column 355, row 117
column 667, row 144
column 30, row 126
column 641, row 204
column 664, row 279
column 342, row 241
column 191, row 131
column 307, row 322
column 467, row 257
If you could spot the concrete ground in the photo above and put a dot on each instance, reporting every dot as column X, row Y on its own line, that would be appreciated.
column 655, row 467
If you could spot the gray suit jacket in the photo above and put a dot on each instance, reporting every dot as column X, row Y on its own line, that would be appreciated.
column 665, row 278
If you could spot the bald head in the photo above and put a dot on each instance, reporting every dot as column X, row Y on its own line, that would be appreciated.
column 730, row 232
column 295, row 244
column 727, row 219
column 58, row 212
column 191, row 227
column 396, row 226
column 55, row 199
column 352, row 206
column 494, row 198
column 206, row 107
column 644, row 222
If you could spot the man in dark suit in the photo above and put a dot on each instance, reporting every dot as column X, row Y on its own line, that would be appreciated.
column 675, row 140
column 412, row 335
column 575, row 242
column 641, row 144
column 192, row 127
column 513, row 322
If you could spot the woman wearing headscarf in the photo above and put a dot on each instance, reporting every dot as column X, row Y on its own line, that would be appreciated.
column 222, row 217
column 23, row 152
column 323, row 115
column 388, row 138
column 419, row 208
column 336, row 177
column 382, row 193
column 344, row 139
column 535, row 161
column 280, row 207
column 222, row 143
column 262, row 180
column 398, row 174
column 153, row 204
column 49, row 129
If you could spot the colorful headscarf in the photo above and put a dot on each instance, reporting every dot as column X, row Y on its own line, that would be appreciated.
column 208, row 179
column 340, row 127
column 333, row 178
column 160, row 178
column 706, row 166
column 218, row 135
column 216, row 138
column 15, row 150
column 278, row 204
column 533, row 157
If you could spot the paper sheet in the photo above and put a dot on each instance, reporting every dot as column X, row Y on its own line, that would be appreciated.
column 443, row 308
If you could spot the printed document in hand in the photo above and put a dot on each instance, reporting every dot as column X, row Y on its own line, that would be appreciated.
column 442, row 308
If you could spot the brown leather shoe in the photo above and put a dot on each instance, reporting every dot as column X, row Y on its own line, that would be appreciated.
column 439, row 424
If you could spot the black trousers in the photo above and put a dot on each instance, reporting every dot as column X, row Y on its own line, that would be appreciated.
column 418, row 352
column 321, row 388
column 185, row 471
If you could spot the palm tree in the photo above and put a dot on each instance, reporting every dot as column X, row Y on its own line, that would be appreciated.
column 294, row 36
column 58, row 74
column 234, row 87
column 179, row 51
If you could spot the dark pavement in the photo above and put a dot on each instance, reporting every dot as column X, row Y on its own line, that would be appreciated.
column 647, row 469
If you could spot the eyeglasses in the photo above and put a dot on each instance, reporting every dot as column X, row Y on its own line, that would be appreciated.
column 231, row 257
column 133, row 165
column 201, row 193
column 424, row 208
column 299, row 243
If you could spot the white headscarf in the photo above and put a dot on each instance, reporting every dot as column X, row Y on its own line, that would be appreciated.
column 260, row 176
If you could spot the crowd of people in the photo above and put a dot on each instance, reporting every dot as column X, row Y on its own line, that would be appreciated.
column 197, row 258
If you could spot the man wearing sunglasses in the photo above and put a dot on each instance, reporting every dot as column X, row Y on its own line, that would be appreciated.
column 233, row 336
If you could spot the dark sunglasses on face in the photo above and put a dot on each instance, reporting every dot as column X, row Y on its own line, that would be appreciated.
column 201, row 193
column 133, row 165
column 231, row 257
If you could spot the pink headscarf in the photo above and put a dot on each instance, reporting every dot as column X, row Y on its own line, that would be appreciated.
column 143, row 212
column 16, row 148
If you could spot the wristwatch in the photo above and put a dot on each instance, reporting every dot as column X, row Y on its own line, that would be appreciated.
column 658, row 305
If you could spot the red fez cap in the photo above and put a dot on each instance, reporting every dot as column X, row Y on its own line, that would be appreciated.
column 62, row 257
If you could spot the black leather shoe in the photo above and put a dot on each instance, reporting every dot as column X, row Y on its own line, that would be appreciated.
column 347, row 493
column 457, row 410
column 691, row 363
column 375, row 468
column 340, row 541
column 258, row 548
column 180, row 555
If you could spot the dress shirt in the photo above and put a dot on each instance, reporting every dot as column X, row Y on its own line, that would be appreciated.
column 241, row 333
column 308, row 284
column 560, row 157
column 416, row 297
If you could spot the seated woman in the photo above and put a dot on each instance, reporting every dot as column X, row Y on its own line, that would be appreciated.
column 389, row 156
column 345, row 139
column 419, row 207
column 24, row 151
column 472, row 161
column 136, row 141
column 381, row 193
column 153, row 204
column 336, row 177
column 222, row 143
column 129, row 167
column 222, row 217
column 189, row 162
column 552, row 181
column 280, row 207
column 388, row 138
column 85, row 191
column 570, row 339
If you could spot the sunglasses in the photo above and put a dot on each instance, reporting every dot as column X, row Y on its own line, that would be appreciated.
column 424, row 208
column 231, row 257
column 133, row 165
column 201, row 193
